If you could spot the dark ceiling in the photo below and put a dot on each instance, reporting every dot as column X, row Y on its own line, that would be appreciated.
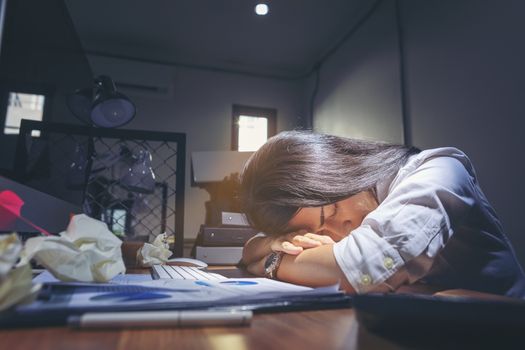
column 218, row 34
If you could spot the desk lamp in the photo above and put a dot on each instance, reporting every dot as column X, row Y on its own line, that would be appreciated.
column 101, row 105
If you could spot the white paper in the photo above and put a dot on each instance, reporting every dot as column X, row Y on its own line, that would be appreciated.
column 238, row 291
column 15, row 282
column 150, row 255
column 124, row 279
column 10, row 248
column 87, row 251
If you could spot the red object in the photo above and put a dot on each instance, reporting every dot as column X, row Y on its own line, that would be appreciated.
column 10, row 206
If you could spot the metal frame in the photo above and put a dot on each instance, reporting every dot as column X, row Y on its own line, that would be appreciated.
column 27, row 126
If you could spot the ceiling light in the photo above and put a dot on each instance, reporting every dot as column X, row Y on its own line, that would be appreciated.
column 261, row 9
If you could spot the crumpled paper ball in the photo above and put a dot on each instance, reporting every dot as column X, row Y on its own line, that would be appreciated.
column 156, row 253
column 86, row 252
column 15, row 283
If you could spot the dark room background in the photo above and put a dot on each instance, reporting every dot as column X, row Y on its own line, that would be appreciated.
column 428, row 73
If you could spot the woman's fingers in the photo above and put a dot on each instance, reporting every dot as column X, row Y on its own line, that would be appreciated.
column 321, row 238
column 294, row 243
column 305, row 242
column 290, row 248
column 283, row 245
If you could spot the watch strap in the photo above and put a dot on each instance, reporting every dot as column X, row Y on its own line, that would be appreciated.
column 272, row 264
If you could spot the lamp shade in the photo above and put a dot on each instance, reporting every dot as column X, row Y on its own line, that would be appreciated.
column 101, row 105
column 110, row 108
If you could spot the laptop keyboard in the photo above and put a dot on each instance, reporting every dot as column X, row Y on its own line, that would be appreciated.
column 183, row 273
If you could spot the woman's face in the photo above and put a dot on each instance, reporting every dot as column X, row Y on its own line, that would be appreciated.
column 336, row 220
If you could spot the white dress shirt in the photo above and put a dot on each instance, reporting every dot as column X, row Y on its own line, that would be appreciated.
column 434, row 224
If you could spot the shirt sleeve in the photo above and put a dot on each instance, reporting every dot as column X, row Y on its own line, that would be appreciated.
column 415, row 220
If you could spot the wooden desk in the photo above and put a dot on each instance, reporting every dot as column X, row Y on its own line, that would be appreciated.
column 327, row 329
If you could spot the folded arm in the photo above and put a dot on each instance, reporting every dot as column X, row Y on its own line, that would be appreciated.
column 291, row 243
column 314, row 267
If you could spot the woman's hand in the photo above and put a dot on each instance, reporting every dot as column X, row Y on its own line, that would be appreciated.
column 257, row 249
column 311, row 240
column 294, row 243
column 284, row 244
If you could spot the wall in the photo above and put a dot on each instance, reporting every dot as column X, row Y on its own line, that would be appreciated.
column 465, row 79
column 358, row 94
column 199, row 103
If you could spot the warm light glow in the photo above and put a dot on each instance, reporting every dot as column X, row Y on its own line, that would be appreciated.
column 253, row 133
column 261, row 9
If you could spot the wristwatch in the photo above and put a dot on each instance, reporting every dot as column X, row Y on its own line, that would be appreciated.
column 272, row 264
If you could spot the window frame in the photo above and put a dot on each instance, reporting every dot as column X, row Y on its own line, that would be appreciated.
column 261, row 112
column 24, row 88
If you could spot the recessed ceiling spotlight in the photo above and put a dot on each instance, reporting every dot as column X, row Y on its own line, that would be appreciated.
column 261, row 9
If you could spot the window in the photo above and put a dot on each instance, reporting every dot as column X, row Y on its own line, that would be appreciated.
column 118, row 221
column 22, row 106
column 251, row 127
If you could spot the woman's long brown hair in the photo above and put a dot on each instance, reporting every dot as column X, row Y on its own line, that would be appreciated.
column 296, row 169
